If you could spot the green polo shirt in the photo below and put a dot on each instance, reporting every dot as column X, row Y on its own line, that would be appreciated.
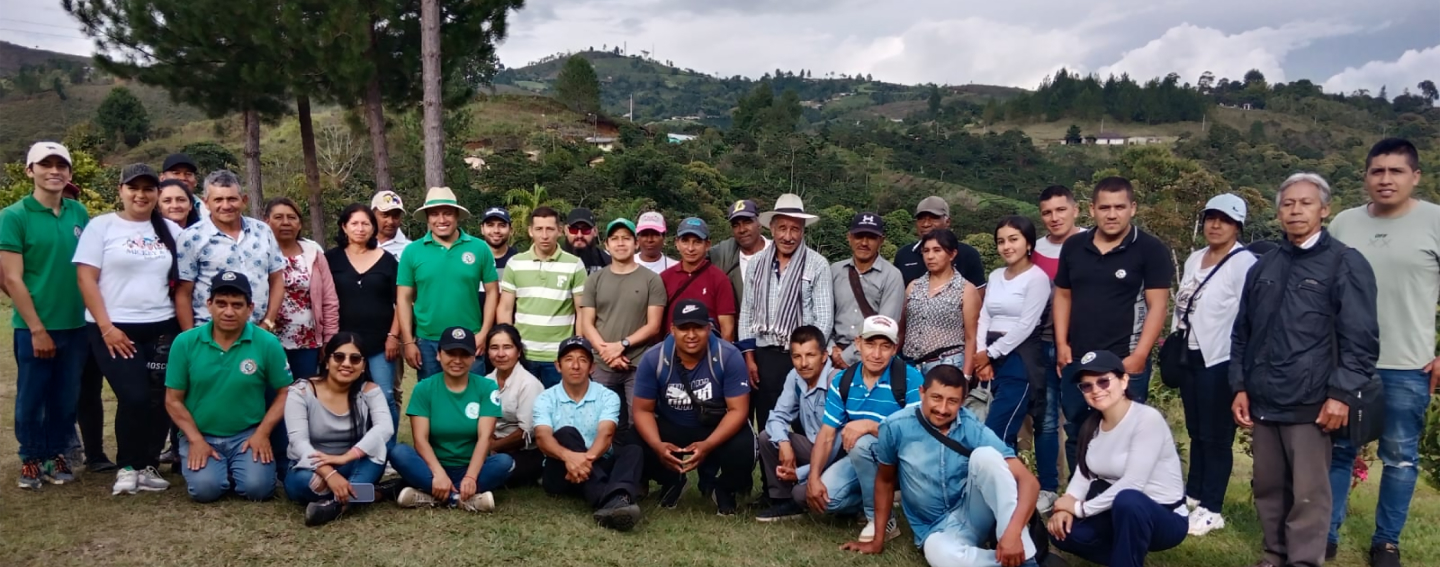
column 225, row 389
column 455, row 417
column 46, row 242
column 445, row 280
column 545, row 293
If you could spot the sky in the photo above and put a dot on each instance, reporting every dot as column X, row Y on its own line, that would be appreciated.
column 1341, row 45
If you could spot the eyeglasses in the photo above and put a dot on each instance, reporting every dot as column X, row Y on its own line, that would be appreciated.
column 339, row 357
column 1088, row 387
column 586, row 230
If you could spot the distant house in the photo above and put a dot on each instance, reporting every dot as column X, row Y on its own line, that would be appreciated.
column 1141, row 140
column 597, row 160
column 475, row 163
column 679, row 138
column 1109, row 139
column 605, row 143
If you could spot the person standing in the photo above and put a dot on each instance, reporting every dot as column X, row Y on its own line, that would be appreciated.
column 580, row 229
column 179, row 167
column 495, row 230
column 790, row 287
column 36, row 234
column 652, row 243
column 309, row 311
column 228, row 240
column 941, row 309
column 178, row 203
column 539, row 293
column 696, row 277
column 620, row 314
column 931, row 214
column 865, row 285
column 1058, row 210
column 437, row 281
column 1007, row 339
column 734, row 255
column 364, row 278
column 785, row 453
column 1205, row 307
column 1399, row 236
column 389, row 213
column 1305, row 342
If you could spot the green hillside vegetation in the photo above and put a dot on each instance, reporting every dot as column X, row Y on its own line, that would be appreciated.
column 45, row 116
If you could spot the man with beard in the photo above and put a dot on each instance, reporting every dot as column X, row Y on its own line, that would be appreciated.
column 733, row 256
column 495, row 230
column 580, row 240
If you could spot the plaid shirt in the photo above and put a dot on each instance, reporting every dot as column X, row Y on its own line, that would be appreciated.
column 817, row 299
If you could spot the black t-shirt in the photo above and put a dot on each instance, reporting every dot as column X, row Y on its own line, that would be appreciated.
column 367, row 301
column 500, row 262
column 967, row 263
column 1107, row 299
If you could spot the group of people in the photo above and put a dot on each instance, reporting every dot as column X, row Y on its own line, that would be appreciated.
column 594, row 365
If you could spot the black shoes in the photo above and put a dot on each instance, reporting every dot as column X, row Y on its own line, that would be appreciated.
column 670, row 493
column 321, row 513
column 784, row 510
column 618, row 513
column 1384, row 555
column 724, row 502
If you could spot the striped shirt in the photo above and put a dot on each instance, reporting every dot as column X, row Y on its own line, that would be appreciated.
column 874, row 404
column 545, row 292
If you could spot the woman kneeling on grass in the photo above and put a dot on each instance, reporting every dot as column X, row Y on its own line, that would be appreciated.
column 338, row 425
column 452, row 420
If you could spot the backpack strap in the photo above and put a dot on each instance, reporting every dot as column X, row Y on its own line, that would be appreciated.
column 846, row 376
column 898, row 373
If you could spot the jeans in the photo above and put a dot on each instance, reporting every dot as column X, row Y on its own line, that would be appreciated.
column 253, row 479
column 1207, row 398
column 1407, row 396
column 1134, row 526
column 430, row 360
column 990, row 500
column 545, row 371
column 46, row 393
column 1012, row 399
column 304, row 362
column 382, row 373
column 1073, row 404
column 359, row 471
column 416, row 472
column 141, row 422
column 957, row 360
column 1047, row 439
column 850, row 480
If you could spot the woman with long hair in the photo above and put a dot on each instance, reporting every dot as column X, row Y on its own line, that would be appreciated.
column 933, row 330
column 177, row 203
column 514, row 432
column 126, row 266
column 364, row 280
column 338, row 425
column 309, row 311
column 1007, row 341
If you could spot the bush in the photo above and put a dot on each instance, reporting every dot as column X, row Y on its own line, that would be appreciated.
column 1430, row 444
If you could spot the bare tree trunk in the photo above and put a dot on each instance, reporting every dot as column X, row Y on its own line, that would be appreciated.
column 432, row 124
column 312, row 168
column 252, row 162
column 375, row 120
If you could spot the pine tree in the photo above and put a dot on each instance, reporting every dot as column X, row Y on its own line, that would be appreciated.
column 122, row 114
column 577, row 86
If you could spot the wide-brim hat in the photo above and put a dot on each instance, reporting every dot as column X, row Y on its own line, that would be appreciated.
column 441, row 197
column 788, row 205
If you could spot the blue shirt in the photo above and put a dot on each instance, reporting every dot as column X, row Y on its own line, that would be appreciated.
column 798, row 400
column 555, row 409
column 660, row 370
column 205, row 251
column 869, row 404
column 933, row 478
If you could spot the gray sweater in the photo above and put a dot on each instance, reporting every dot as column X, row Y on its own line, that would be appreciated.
column 313, row 428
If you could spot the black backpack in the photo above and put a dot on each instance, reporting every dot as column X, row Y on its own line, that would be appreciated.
column 898, row 370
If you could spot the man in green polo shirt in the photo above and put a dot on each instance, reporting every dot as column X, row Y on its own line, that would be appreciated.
column 437, row 281
column 38, row 236
column 539, row 293
column 215, row 387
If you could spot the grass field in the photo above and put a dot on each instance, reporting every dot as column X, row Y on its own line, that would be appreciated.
column 82, row 524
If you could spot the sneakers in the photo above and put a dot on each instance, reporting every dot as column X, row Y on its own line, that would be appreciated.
column 321, row 513
column 30, row 472
column 1385, row 555
column 170, row 456
column 57, row 471
column 411, row 498
column 100, row 464
column 785, row 510
column 1191, row 503
column 1045, row 503
column 1203, row 521
column 389, row 489
column 1331, row 550
column 867, row 535
column 482, row 502
column 670, row 494
column 151, row 481
column 127, row 481
column 619, row 514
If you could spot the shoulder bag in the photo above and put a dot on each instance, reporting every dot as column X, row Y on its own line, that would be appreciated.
column 1175, row 351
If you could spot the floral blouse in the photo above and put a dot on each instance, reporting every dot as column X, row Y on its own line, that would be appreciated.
column 296, row 326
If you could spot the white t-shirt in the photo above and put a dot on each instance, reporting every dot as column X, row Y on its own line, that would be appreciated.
column 657, row 266
column 1012, row 306
column 134, row 268
column 746, row 258
column 1138, row 454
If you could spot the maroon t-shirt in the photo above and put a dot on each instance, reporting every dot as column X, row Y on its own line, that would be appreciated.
column 710, row 287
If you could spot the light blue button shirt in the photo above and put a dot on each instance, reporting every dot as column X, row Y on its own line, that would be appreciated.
column 799, row 400
column 555, row 409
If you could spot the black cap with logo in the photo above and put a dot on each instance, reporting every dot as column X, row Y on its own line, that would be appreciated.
column 867, row 223
column 457, row 338
column 1101, row 362
column 690, row 312
column 573, row 343
column 230, row 281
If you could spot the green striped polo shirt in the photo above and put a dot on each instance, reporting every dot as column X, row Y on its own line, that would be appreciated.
column 545, row 293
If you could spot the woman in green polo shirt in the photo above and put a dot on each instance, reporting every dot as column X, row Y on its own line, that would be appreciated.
column 452, row 421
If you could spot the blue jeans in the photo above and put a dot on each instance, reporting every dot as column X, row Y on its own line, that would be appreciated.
column 1072, row 402
column 47, row 391
column 1134, row 526
column 1407, row 396
column 416, row 472
column 1012, row 399
column 1047, row 440
column 361, row 470
column 990, row 499
column 382, row 373
column 850, row 480
column 430, row 360
column 957, row 360
column 304, row 362
column 545, row 372
column 253, row 480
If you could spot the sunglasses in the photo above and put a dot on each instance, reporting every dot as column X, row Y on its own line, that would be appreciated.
column 1088, row 387
column 339, row 357
column 582, row 229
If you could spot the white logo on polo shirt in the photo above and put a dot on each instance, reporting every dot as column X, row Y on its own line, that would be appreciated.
column 77, row 231
column 495, row 397
column 468, row 257
column 1088, row 358
column 1120, row 274
column 472, row 410
column 248, row 366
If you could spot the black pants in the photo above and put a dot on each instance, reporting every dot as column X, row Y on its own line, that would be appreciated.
column 529, row 464
column 1207, row 398
column 734, row 459
column 90, row 410
column 139, row 385
column 774, row 364
column 616, row 473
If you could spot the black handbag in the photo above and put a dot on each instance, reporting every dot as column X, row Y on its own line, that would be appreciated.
column 1367, row 418
column 1175, row 351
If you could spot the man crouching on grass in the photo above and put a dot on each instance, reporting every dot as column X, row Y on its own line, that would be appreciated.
column 956, row 492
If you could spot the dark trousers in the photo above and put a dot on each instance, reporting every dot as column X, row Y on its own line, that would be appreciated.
column 616, row 473
column 774, row 364
column 1121, row 537
column 734, row 459
column 90, row 409
column 777, row 489
column 529, row 463
column 1292, row 491
column 139, row 385
column 1207, row 398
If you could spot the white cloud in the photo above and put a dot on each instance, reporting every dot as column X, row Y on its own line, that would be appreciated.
column 968, row 50
column 1191, row 50
column 1412, row 67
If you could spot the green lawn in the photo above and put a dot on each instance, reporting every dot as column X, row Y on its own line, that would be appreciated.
column 83, row 524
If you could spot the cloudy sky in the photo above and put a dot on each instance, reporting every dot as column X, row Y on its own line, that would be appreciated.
column 1343, row 45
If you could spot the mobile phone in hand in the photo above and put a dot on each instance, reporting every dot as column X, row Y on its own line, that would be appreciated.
column 364, row 492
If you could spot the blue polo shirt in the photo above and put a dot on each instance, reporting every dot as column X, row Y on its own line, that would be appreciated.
column 872, row 404
column 555, row 409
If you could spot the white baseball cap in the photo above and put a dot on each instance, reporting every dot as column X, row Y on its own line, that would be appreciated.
column 880, row 326
column 386, row 201
column 1227, row 204
column 651, row 221
column 42, row 150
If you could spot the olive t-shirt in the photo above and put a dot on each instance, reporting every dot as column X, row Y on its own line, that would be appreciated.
column 620, row 301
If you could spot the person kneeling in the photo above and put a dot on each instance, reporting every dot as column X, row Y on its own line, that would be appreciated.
column 452, row 420
column 575, row 424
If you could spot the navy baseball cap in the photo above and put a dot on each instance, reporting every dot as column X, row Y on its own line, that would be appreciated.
column 1101, row 362
column 175, row 160
column 457, row 338
column 575, row 342
column 230, row 281
column 867, row 223
column 496, row 213
column 744, row 208
column 690, row 312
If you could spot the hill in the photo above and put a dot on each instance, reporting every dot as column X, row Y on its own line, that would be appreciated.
column 13, row 57
column 45, row 116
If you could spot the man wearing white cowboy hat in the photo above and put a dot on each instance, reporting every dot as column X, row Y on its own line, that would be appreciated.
column 437, row 281
column 788, row 286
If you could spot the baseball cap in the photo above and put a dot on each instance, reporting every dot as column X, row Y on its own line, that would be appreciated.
column 42, row 150
column 457, row 338
column 693, row 226
column 386, row 201
column 933, row 205
column 690, row 312
column 1227, row 204
column 579, row 215
column 609, row 228
column 880, row 326
column 173, row 160
column 867, row 223
column 230, row 281
column 137, row 170
column 496, row 213
column 573, row 343
column 652, row 221
column 744, row 208
column 1101, row 362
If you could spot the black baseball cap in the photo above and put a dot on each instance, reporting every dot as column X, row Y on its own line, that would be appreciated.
column 137, row 170
column 744, row 208
column 690, row 312
column 573, row 343
column 496, row 213
column 1101, row 362
column 867, row 223
column 457, row 338
column 178, row 159
column 230, row 281
column 579, row 215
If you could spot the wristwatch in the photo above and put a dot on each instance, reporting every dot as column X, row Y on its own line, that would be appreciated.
column 625, row 343
column 268, row 323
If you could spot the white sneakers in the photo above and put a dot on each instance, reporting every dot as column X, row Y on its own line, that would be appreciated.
column 482, row 502
column 867, row 535
column 131, row 481
column 1046, row 502
column 1203, row 521
column 412, row 498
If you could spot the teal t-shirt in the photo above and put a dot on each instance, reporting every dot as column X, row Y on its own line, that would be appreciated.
column 454, row 417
